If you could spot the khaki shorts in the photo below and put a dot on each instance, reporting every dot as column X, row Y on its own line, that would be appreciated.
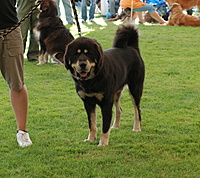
column 12, row 59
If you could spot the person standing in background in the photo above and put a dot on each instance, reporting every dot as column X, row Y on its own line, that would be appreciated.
column 23, row 8
column 91, row 11
column 68, row 10
column 112, row 7
column 12, row 68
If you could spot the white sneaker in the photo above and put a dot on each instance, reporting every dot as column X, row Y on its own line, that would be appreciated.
column 23, row 138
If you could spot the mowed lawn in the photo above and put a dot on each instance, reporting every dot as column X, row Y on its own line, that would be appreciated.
column 169, row 144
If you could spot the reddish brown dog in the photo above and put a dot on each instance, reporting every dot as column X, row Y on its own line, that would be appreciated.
column 185, row 4
column 177, row 18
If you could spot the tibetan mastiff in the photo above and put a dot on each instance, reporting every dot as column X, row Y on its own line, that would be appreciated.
column 178, row 18
column 53, row 35
column 100, row 77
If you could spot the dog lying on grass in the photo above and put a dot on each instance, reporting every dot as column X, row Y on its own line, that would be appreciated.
column 185, row 4
column 178, row 18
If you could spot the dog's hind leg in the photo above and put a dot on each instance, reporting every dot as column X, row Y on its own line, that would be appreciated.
column 57, row 60
column 135, row 96
column 118, row 110
column 91, row 112
column 45, row 58
column 40, row 59
column 42, row 55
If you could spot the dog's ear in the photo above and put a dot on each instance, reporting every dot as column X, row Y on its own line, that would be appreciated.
column 100, row 58
column 66, row 60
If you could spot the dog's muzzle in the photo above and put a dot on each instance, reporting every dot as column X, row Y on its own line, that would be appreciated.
column 83, row 69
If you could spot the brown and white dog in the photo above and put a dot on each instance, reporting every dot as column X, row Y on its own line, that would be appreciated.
column 53, row 35
column 178, row 18
column 100, row 77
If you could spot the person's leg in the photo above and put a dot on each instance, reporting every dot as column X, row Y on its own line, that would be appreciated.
column 12, row 69
column 23, row 7
column 68, row 11
column 154, row 14
column 58, row 4
column 84, row 10
column 33, row 50
column 92, row 9
column 19, row 101
column 157, row 17
column 140, row 16
column 112, row 7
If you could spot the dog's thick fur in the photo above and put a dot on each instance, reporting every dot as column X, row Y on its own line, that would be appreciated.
column 185, row 4
column 53, row 35
column 178, row 18
column 100, row 76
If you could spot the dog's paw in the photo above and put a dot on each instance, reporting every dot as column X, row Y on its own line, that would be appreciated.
column 115, row 127
column 137, row 129
column 100, row 144
column 40, row 63
column 88, row 140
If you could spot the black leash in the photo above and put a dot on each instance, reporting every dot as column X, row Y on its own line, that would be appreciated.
column 6, row 32
column 76, row 17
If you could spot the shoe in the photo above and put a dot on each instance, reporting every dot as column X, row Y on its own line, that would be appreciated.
column 32, row 60
column 91, row 20
column 23, row 138
column 71, row 23
column 83, row 21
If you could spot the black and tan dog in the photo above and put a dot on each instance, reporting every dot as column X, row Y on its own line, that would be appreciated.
column 53, row 35
column 100, row 76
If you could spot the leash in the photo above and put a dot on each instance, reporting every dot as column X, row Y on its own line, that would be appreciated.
column 6, row 32
column 76, row 17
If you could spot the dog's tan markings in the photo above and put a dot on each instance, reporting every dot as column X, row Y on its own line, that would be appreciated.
column 85, row 51
column 118, row 110
column 93, row 129
column 74, row 65
column 104, row 138
column 82, row 94
column 78, row 51
column 137, row 125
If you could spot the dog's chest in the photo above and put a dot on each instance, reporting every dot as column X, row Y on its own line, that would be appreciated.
column 83, row 95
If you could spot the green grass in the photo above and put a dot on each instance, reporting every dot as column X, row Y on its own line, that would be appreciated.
column 169, row 144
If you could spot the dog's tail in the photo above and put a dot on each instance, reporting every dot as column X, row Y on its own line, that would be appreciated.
column 127, row 35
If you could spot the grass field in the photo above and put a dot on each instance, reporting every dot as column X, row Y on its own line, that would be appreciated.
column 169, row 144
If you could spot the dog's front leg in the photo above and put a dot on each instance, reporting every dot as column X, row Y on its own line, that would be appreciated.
column 42, row 53
column 91, row 113
column 107, row 117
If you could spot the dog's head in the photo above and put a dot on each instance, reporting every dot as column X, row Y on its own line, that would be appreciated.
column 48, row 8
column 176, row 8
column 84, row 58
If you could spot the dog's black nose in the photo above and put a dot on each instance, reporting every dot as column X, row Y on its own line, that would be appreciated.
column 82, row 65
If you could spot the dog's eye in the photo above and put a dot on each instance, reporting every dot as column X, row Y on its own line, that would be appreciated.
column 85, row 51
column 78, row 51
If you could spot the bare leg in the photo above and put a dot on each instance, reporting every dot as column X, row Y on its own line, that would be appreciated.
column 157, row 17
column 140, row 16
column 19, row 101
